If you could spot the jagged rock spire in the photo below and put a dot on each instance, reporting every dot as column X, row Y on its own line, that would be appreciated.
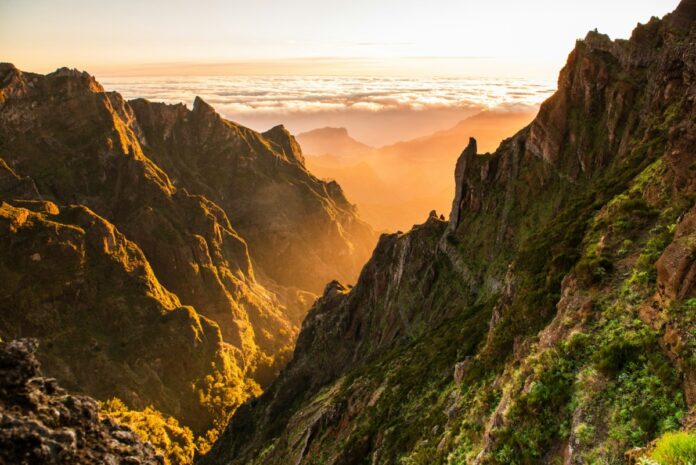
column 463, row 163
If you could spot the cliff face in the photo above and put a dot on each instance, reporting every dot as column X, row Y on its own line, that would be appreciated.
column 549, row 321
column 112, row 235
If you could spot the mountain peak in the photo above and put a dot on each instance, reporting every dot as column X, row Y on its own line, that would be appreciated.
column 77, row 77
column 332, row 130
column 464, row 163
column 333, row 141
column 7, row 68
column 684, row 15
column 286, row 143
column 200, row 106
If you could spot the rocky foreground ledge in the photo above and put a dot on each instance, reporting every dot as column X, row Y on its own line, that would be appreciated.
column 40, row 423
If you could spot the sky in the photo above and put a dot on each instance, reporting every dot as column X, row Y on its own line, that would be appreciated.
column 310, row 37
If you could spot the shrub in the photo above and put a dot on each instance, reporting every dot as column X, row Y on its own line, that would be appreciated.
column 675, row 449
column 620, row 347
column 584, row 433
column 539, row 417
column 592, row 270
column 175, row 442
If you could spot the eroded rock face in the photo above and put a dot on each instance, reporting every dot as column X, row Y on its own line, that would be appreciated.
column 42, row 423
column 537, row 282
column 676, row 268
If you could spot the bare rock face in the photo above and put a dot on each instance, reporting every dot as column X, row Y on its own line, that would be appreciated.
column 42, row 423
column 467, row 158
column 286, row 144
column 15, row 186
column 676, row 268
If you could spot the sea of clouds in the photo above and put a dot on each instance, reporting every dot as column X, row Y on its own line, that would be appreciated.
column 404, row 107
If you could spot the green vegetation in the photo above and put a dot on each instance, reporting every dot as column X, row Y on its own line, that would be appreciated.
column 221, row 394
column 540, row 415
column 673, row 449
column 539, row 331
column 608, row 386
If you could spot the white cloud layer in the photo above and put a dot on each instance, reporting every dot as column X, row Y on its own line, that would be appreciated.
column 241, row 95
column 303, row 103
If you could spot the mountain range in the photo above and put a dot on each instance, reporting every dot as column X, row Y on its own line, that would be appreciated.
column 161, row 255
column 161, row 260
column 549, row 320
column 395, row 186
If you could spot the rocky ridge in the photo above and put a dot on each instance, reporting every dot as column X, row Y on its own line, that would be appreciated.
column 316, row 236
column 118, row 258
column 549, row 321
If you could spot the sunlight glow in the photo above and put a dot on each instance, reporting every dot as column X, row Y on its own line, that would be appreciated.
column 361, row 37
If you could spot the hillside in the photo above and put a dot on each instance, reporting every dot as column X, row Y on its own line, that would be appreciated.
column 117, row 256
column 550, row 320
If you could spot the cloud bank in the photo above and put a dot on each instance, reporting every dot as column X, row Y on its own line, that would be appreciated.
column 403, row 108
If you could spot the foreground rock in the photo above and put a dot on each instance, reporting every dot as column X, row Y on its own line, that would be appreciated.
column 40, row 423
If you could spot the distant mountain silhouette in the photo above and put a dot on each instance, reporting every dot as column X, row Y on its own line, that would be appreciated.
column 395, row 186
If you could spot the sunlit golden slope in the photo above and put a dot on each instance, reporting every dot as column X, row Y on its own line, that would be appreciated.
column 161, row 255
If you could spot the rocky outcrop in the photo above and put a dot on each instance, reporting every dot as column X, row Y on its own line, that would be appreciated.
column 513, row 333
column 15, row 186
column 285, row 144
column 404, row 288
column 42, row 423
column 462, row 192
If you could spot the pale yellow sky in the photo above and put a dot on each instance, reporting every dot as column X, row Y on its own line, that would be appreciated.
column 386, row 37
